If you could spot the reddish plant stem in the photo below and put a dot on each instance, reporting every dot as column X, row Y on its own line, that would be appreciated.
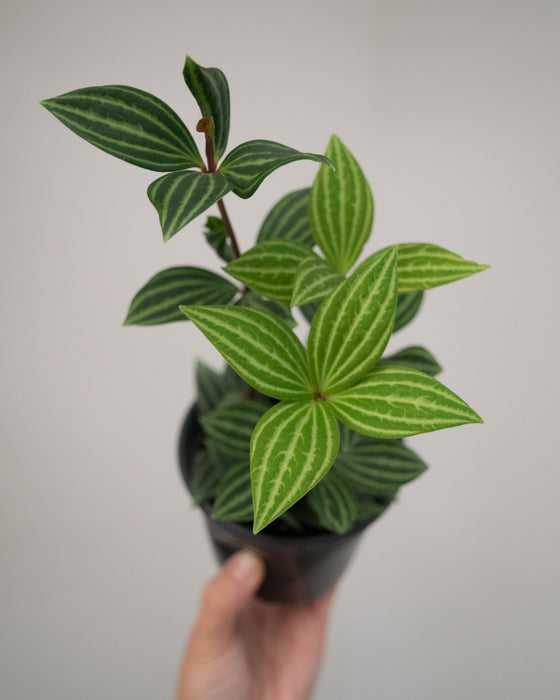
column 228, row 226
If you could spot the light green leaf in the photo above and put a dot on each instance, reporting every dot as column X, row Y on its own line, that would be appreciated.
column 352, row 326
column 205, row 478
column 250, row 163
column 268, row 268
column 210, row 89
column 158, row 300
column 378, row 467
column 293, row 446
column 259, row 347
column 128, row 123
column 334, row 502
column 424, row 266
column 231, row 426
column 314, row 279
column 288, row 220
column 408, row 306
column 341, row 208
column 234, row 500
column 217, row 237
column 278, row 308
column 181, row 197
column 416, row 357
column 394, row 402
column 209, row 387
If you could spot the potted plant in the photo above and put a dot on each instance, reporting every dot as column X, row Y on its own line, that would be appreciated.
column 301, row 443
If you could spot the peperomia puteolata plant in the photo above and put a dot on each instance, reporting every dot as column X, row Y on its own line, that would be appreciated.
column 311, row 435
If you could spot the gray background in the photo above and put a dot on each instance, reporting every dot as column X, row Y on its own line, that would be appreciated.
column 452, row 108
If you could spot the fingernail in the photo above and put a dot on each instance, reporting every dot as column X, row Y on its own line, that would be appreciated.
column 244, row 565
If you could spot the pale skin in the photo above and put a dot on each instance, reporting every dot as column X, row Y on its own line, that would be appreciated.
column 242, row 648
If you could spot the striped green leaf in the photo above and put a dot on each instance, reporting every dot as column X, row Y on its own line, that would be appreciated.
column 232, row 425
column 216, row 235
column 158, row 300
column 424, row 266
column 205, row 478
column 415, row 357
column 210, row 89
column 209, row 388
column 378, row 467
column 220, row 459
column 348, row 437
column 250, row 163
column 181, row 197
column 278, row 308
column 341, row 208
column 394, row 402
column 269, row 268
column 352, row 326
column 128, row 123
column 259, row 346
column 288, row 220
column 314, row 279
column 234, row 500
column 334, row 502
column 293, row 446
column 369, row 507
column 309, row 310
column 408, row 306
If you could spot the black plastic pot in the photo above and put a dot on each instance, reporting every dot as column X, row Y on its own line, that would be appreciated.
column 299, row 568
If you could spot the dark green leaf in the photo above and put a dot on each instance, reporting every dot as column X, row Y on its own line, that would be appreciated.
column 210, row 89
column 128, row 123
column 181, row 197
column 334, row 502
column 232, row 425
column 210, row 388
column 408, row 305
column 205, row 478
column 250, row 163
column 234, row 500
column 159, row 299
column 217, row 237
column 309, row 310
column 288, row 220
column 416, row 357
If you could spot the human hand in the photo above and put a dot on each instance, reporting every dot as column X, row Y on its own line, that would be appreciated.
column 242, row 648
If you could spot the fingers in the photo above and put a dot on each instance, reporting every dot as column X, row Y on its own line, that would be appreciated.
column 226, row 595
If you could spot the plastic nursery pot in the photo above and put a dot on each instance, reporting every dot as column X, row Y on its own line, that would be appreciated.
column 299, row 567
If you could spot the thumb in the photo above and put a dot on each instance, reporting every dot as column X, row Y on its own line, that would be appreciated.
column 226, row 595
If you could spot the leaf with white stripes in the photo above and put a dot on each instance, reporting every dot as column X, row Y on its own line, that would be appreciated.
column 130, row 124
column 394, row 402
column 181, row 197
column 216, row 236
column 205, row 478
column 158, row 300
column 269, row 267
column 424, row 266
column 288, row 220
column 210, row 387
column 334, row 503
column 293, row 446
column 416, row 357
column 234, row 500
column 232, row 425
column 378, row 467
column 341, row 208
column 408, row 306
column 247, row 165
column 352, row 326
column 278, row 308
column 259, row 346
column 314, row 279
column 210, row 89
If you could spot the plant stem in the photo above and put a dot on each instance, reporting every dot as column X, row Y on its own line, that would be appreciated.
column 228, row 226
column 206, row 125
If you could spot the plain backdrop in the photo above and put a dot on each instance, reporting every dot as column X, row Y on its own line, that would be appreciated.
column 452, row 109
